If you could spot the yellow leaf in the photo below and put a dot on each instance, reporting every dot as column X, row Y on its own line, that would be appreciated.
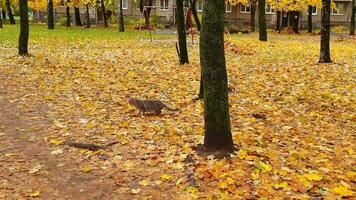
column 165, row 177
column 35, row 194
column 85, row 169
column 135, row 191
column 263, row 166
column 280, row 185
column 341, row 190
column 59, row 124
column 313, row 177
column 242, row 154
column 191, row 189
column 56, row 141
column 223, row 185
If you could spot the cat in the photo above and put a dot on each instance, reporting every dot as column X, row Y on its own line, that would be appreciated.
column 149, row 106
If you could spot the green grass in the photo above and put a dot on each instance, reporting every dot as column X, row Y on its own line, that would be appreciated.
column 9, row 34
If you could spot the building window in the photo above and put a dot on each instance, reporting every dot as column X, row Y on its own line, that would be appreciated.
column 61, row 3
column 228, row 8
column 339, row 9
column 164, row 4
column 314, row 10
column 125, row 4
column 199, row 5
column 269, row 9
column 245, row 8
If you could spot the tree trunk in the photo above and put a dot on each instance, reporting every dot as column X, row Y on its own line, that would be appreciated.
column 252, row 17
column 195, row 13
column 78, row 21
column 352, row 25
column 218, row 135
column 121, row 19
column 325, row 32
column 296, row 21
column 9, row 12
column 310, row 18
column 182, row 36
column 50, row 16
column 3, row 14
column 68, row 14
column 278, row 23
column 104, row 14
column 24, row 28
column 0, row 21
column 262, row 20
column 87, row 17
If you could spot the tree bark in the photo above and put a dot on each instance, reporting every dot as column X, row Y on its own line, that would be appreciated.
column 310, row 18
column 9, row 12
column 0, row 21
column 24, row 28
column 182, row 36
column 195, row 13
column 262, row 20
column 218, row 135
column 87, row 17
column 121, row 18
column 325, row 32
column 352, row 25
column 78, row 21
column 252, row 16
column 68, row 14
column 278, row 22
column 104, row 13
column 50, row 16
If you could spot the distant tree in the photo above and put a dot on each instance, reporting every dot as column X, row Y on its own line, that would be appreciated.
column 24, row 28
column 87, row 16
column 78, row 21
column 218, row 135
column 253, row 5
column 50, row 16
column 195, row 13
column 182, row 36
column 103, row 10
column 146, row 11
column 353, row 13
column 310, row 18
column 9, row 12
column 68, row 13
column 325, row 32
column 262, row 20
column 278, row 21
column 121, row 18
column 0, row 22
column 3, row 14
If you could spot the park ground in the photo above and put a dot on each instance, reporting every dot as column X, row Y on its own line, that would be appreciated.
column 293, row 120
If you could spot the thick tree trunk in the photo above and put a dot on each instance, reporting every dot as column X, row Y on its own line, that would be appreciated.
column 104, row 13
column 252, row 17
column 352, row 25
column 218, row 135
column 278, row 22
column 50, row 16
column 87, row 17
column 78, row 21
column 182, row 36
column 24, row 28
column 121, row 18
column 262, row 20
column 68, row 14
column 9, row 12
column 325, row 32
column 195, row 13
column 310, row 18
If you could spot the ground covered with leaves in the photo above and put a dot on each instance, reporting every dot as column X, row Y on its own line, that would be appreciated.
column 293, row 120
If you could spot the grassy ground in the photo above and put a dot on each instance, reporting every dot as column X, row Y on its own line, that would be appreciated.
column 76, row 84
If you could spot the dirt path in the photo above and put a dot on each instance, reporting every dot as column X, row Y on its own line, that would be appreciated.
column 28, row 163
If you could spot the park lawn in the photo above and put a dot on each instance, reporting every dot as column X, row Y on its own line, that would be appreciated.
column 293, row 120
